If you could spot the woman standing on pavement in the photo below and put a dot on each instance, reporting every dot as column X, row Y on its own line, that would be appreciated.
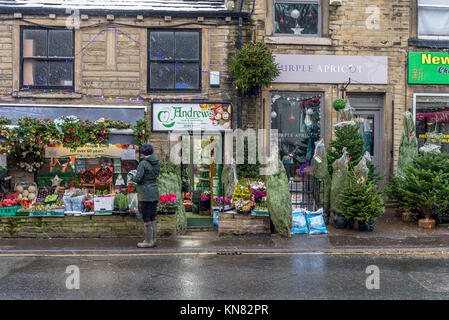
column 146, row 180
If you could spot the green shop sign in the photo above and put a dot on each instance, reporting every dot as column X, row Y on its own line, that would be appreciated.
column 428, row 67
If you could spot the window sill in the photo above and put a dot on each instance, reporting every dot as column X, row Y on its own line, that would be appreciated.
column 34, row 94
column 317, row 41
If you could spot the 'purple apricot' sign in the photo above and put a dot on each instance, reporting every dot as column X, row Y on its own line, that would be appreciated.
column 296, row 68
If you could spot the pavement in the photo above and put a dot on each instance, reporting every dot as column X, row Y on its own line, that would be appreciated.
column 390, row 234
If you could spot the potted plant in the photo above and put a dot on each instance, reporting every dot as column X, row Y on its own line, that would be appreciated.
column 252, row 67
column 261, row 207
column 361, row 201
column 425, row 187
column 120, row 204
column 167, row 204
column 218, row 203
column 205, row 203
column 258, row 191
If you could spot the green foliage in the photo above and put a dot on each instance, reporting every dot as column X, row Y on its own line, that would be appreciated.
column 142, row 132
column 349, row 137
column 121, row 201
column 360, row 199
column 169, row 182
column 425, row 187
column 248, row 170
column 253, row 65
column 228, row 178
column 339, row 104
column 279, row 200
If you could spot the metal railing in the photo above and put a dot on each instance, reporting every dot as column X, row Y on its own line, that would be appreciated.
column 307, row 192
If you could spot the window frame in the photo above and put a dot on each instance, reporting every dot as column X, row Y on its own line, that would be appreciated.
column 48, row 58
column 320, row 19
column 173, row 61
column 429, row 37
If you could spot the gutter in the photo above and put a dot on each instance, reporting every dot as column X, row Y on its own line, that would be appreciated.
column 120, row 13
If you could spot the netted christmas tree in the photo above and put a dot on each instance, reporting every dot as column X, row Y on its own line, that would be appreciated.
column 347, row 135
column 408, row 150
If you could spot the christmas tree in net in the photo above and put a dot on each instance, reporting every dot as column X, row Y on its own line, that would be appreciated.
column 347, row 135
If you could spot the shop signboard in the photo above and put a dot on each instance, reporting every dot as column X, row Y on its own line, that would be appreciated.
column 88, row 151
column 191, row 116
column 428, row 67
column 298, row 68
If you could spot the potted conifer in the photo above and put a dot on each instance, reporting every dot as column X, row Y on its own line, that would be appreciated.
column 361, row 201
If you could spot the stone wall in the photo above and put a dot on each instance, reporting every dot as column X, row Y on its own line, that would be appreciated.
column 232, row 223
column 82, row 227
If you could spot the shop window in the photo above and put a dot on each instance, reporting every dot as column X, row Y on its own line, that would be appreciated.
column 174, row 60
column 297, row 117
column 296, row 17
column 432, row 116
column 433, row 19
column 47, row 58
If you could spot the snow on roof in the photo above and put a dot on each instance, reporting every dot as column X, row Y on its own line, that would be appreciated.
column 127, row 5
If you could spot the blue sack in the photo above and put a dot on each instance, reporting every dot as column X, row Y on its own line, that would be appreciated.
column 299, row 222
column 316, row 223
column 216, row 218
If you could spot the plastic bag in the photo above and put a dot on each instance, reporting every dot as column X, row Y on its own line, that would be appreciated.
column 362, row 167
column 319, row 161
column 315, row 221
column 215, row 218
column 339, row 177
column 68, row 203
column 345, row 123
column 347, row 114
column 133, row 202
column 77, row 203
column 299, row 222
column 430, row 147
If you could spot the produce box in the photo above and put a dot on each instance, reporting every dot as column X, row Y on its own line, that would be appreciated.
column 103, row 205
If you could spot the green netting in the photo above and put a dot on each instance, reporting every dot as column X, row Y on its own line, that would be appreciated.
column 339, row 177
column 279, row 200
column 362, row 166
column 228, row 177
column 408, row 149
column 171, row 183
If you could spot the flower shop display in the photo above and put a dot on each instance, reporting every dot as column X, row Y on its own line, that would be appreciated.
column 167, row 204
column 261, row 207
column 222, row 203
column 242, row 199
column 205, row 203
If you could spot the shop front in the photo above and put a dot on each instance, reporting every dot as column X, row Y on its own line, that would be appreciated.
column 197, row 133
column 301, row 108
column 428, row 81
column 69, row 160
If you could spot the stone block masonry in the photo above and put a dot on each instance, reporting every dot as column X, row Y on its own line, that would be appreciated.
column 82, row 227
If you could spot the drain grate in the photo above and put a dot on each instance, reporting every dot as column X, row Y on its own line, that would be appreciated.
column 229, row 253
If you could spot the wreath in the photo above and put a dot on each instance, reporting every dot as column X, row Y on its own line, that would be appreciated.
column 98, row 133
column 74, row 132
column 117, row 124
column 142, row 132
column 5, row 143
column 30, row 160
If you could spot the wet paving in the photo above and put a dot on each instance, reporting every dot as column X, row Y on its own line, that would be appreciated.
column 212, row 276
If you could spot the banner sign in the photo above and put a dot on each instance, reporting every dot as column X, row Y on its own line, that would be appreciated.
column 428, row 67
column 191, row 116
column 297, row 68
column 87, row 151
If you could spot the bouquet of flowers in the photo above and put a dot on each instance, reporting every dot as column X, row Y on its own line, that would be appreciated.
column 205, row 196
column 258, row 189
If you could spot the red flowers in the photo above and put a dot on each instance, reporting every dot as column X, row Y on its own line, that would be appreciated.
column 142, row 135
column 9, row 203
column 71, row 130
column 76, row 139
column 67, row 139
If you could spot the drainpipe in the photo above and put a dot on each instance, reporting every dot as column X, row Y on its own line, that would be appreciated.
column 239, row 96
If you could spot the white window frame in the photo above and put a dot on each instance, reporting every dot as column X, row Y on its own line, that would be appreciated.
column 415, row 95
column 446, row 37
column 320, row 18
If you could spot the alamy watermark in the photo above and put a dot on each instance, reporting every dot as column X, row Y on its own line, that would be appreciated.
column 373, row 280
column 73, row 280
column 261, row 146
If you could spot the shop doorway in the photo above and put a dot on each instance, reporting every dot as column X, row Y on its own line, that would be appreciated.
column 368, row 110
column 201, row 177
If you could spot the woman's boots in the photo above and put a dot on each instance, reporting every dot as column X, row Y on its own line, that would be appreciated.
column 150, row 235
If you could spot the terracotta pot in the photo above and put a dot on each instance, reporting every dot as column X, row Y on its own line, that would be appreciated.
column 426, row 223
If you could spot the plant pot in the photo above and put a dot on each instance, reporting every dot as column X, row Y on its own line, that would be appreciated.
column 204, row 205
column 442, row 219
column 426, row 223
column 338, row 220
column 350, row 223
column 408, row 216
column 366, row 226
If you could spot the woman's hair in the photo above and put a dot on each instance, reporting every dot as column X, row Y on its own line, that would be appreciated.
column 146, row 149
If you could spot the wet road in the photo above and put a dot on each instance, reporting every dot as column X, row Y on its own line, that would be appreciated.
column 212, row 276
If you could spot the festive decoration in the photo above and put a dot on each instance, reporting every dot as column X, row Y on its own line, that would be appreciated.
column 56, row 181
column 253, row 65
column 142, row 132
column 4, row 121
column 339, row 104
